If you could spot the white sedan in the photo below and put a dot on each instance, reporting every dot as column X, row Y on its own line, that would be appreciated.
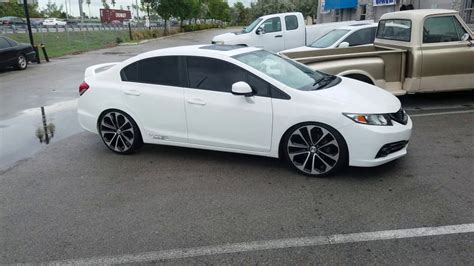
column 54, row 22
column 244, row 100
column 343, row 37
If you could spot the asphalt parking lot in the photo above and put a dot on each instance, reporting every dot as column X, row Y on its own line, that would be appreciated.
column 73, row 201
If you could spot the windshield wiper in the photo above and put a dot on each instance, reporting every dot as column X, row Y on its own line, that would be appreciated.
column 324, row 81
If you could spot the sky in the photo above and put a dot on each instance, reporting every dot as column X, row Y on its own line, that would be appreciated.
column 73, row 5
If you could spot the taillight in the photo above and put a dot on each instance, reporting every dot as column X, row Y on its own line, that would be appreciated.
column 83, row 87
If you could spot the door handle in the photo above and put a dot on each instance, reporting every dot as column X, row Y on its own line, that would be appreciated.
column 278, row 36
column 196, row 102
column 132, row 92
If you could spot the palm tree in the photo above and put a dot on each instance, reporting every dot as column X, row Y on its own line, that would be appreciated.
column 88, row 2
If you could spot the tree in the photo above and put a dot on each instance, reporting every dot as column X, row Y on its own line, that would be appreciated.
column 164, row 8
column 113, row 3
column 105, row 4
column 239, row 14
column 12, row 8
column 53, row 11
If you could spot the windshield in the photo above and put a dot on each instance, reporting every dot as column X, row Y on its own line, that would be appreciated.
column 250, row 27
column 329, row 39
column 290, row 73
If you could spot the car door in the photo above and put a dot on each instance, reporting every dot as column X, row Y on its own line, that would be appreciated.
column 218, row 118
column 294, row 35
column 272, row 36
column 7, row 53
column 153, row 91
column 447, row 60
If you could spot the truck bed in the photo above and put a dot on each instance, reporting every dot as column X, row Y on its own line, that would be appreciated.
column 385, row 66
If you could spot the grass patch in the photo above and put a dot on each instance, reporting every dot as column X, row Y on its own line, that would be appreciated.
column 63, row 43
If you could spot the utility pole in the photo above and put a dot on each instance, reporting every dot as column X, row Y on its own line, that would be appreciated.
column 138, row 8
column 81, row 13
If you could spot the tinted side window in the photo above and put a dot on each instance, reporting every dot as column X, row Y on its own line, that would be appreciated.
column 291, row 22
column 271, row 25
column 259, row 86
column 360, row 37
column 460, row 29
column 440, row 29
column 213, row 74
column 158, row 70
column 4, row 43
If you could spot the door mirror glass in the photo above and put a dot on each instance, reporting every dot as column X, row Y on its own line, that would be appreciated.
column 343, row 45
column 260, row 30
column 242, row 88
column 465, row 37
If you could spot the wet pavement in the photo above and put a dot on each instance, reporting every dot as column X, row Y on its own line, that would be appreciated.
column 73, row 198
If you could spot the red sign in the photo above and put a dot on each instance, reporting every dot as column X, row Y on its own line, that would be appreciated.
column 109, row 15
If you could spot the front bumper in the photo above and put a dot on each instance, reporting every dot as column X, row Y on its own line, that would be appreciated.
column 364, row 142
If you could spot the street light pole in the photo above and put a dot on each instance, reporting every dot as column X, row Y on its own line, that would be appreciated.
column 28, row 23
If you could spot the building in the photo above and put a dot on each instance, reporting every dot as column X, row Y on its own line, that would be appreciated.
column 340, row 10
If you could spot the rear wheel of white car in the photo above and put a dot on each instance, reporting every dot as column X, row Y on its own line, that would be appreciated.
column 22, row 63
column 119, row 132
column 315, row 149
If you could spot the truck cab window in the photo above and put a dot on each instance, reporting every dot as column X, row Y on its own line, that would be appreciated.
column 440, row 29
column 271, row 25
column 291, row 22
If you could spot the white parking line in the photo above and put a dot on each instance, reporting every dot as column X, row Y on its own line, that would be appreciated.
column 443, row 113
column 273, row 244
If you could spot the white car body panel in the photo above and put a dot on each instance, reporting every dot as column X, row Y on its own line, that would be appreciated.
column 251, row 125
column 53, row 22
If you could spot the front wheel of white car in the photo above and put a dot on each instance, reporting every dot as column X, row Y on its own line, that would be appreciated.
column 119, row 132
column 315, row 149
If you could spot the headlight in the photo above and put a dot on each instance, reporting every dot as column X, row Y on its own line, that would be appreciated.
column 217, row 42
column 370, row 119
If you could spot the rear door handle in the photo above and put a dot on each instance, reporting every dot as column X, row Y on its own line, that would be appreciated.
column 278, row 36
column 132, row 92
column 196, row 102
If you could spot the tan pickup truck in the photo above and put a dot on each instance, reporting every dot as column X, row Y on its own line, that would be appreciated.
column 425, row 50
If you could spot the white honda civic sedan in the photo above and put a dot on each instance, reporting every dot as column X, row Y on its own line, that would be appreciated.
column 244, row 100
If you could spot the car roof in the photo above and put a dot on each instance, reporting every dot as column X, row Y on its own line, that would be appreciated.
column 416, row 14
column 209, row 50
column 279, row 14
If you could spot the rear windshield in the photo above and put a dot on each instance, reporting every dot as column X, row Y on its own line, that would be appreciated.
column 394, row 29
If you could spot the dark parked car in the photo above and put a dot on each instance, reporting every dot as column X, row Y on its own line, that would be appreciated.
column 10, row 20
column 13, row 54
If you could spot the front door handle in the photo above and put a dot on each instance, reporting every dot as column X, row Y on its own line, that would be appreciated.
column 132, row 92
column 196, row 102
column 278, row 36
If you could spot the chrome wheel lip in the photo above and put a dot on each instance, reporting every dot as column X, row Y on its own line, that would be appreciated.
column 117, row 132
column 313, row 149
column 22, row 61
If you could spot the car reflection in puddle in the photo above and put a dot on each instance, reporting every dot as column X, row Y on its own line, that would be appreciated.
column 24, row 135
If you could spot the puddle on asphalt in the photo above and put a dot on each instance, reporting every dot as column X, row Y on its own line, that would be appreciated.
column 24, row 135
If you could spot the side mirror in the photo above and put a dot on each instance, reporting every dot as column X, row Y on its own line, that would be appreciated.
column 242, row 88
column 465, row 37
column 260, row 30
column 343, row 45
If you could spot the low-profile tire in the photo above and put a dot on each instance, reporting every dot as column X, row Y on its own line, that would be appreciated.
column 314, row 149
column 119, row 132
column 21, row 62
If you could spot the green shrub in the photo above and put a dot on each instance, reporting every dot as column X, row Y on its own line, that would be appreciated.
column 195, row 27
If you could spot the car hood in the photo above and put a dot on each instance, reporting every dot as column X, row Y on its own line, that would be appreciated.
column 224, row 37
column 299, row 49
column 359, row 97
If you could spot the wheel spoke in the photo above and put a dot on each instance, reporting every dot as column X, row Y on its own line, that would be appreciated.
column 296, row 145
column 314, row 169
column 328, row 167
column 325, row 133
column 125, row 123
column 292, row 156
column 298, row 133
column 334, row 157
column 109, row 143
